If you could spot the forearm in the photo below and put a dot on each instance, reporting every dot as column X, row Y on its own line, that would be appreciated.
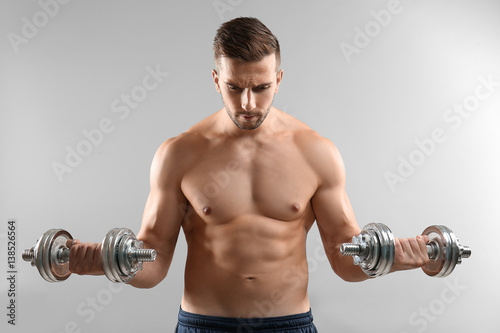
column 152, row 273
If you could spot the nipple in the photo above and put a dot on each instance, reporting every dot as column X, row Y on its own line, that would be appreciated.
column 207, row 210
column 295, row 207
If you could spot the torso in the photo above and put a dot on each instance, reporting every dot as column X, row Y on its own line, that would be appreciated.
column 246, row 223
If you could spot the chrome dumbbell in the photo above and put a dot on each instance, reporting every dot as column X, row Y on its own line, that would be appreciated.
column 373, row 250
column 121, row 253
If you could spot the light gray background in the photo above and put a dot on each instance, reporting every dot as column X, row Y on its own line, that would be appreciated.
column 393, row 91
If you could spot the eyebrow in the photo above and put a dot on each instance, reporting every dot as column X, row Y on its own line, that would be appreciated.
column 259, row 85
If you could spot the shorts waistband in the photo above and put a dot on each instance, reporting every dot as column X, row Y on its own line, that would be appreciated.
column 244, row 325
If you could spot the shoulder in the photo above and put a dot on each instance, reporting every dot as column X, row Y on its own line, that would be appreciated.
column 315, row 145
column 319, row 152
column 182, row 143
column 305, row 137
column 322, row 155
column 182, row 147
column 175, row 156
column 188, row 145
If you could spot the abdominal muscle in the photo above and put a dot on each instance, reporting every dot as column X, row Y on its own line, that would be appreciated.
column 252, row 266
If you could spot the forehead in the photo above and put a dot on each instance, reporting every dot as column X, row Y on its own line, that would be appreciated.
column 232, row 69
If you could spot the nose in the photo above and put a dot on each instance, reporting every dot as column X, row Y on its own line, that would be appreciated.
column 248, row 100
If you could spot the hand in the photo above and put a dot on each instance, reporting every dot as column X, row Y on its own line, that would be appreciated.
column 410, row 253
column 84, row 258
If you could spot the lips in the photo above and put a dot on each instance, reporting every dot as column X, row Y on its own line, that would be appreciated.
column 248, row 117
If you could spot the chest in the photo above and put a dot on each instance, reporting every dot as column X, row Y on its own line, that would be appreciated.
column 230, row 181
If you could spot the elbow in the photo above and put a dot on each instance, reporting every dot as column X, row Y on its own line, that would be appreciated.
column 142, row 285
column 151, row 274
column 352, row 278
column 347, row 271
column 140, row 282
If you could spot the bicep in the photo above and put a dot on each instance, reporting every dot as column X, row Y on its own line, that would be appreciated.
column 335, row 217
column 332, row 207
column 162, row 220
column 165, row 206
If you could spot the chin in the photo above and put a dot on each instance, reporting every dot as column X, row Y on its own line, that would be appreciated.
column 246, row 127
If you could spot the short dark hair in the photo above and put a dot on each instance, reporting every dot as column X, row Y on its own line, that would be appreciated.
column 245, row 39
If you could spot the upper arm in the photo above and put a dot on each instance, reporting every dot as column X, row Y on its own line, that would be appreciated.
column 334, row 215
column 166, row 205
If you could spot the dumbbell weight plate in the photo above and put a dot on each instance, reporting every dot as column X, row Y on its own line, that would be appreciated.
column 107, row 255
column 45, row 255
column 369, row 236
column 447, row 258
column 112, row 253
column 386, row 248
column 38, row 256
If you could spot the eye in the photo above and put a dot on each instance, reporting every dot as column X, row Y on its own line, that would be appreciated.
column 263, row 88
column 232, row 87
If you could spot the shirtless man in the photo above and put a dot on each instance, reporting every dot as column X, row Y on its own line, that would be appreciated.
column 246, row 184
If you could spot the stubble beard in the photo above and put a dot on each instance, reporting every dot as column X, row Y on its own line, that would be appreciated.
column 244, row 125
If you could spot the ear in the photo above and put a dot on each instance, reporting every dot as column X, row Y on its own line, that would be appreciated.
column 216, row 80
column 279, row 77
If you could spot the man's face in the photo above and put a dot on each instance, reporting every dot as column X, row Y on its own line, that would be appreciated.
column 247, row 89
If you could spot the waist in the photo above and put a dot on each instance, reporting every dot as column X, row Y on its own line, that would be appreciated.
column 233, row 324
column 246, row 296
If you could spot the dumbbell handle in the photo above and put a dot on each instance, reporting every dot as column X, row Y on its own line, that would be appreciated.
column 353, row 249
column 62, row 255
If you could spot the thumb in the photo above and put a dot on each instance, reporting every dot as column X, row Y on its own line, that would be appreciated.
column 71, row 242
column 426, row 238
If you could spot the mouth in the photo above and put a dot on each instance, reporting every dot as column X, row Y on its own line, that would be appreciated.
column 247, row 117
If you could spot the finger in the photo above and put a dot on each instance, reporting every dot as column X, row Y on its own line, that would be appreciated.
column 420, row 251
column 398, row 248
column 421, row 241
column 97, row 267
column 423, row 248
column 414, row 244
column 73, row 251
column 95, row 264
column 80, row 258
column 407, row 248
column 88, row 260
column 71, row 242
column 397, row 245
column 426, row 238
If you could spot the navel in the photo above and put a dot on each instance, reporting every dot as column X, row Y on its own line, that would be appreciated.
column 207, row 210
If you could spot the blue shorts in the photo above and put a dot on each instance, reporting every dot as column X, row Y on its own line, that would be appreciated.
column 195, row 323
